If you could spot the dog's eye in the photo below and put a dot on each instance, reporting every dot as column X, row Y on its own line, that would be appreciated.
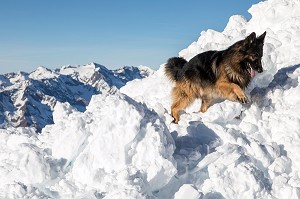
column 253, row 57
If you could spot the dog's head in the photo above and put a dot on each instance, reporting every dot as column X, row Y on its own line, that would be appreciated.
column 252, row 50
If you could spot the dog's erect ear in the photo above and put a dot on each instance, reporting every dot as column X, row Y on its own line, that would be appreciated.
column 249, row 40
column 261, row 38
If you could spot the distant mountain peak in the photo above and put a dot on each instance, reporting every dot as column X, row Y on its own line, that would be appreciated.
column 43, row 73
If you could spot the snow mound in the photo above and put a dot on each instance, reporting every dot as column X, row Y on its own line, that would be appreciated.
column 25, row 166
column 187, row 191
column 116, row 145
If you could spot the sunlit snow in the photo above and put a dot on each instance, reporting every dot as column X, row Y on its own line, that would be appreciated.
column 124, row 145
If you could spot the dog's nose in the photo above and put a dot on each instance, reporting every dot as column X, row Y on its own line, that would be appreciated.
column 260, row 70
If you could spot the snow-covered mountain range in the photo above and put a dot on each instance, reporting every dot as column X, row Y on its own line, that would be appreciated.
column 113, row 138
column 27, row 100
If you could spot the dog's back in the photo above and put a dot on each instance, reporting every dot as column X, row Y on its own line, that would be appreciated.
column 200, row 69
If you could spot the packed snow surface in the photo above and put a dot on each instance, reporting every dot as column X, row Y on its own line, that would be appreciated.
column 124, row 145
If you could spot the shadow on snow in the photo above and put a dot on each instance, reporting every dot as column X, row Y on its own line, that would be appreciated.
column 193, row 147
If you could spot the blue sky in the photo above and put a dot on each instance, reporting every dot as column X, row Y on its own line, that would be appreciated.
column 112, row 33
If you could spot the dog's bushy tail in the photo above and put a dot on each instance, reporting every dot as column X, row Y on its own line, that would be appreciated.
column 173, row 69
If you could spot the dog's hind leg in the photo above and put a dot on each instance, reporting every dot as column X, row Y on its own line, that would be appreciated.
column 205, row 104
column 180, row 101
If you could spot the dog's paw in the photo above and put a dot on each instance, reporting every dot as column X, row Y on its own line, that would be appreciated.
column 243, row 99
column 203, row 109
column 175, row 121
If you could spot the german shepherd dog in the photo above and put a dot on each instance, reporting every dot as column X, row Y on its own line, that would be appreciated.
column 215, row 74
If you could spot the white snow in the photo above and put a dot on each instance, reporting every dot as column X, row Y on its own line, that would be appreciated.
column 187, row 191
column 125, row 146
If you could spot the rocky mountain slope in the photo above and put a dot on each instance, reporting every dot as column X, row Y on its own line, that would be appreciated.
column 28, row 99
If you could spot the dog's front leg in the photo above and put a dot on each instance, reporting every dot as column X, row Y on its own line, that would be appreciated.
column 232, row 92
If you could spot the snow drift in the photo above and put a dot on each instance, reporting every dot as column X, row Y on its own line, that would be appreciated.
column 101, row 151
column 125, row 146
